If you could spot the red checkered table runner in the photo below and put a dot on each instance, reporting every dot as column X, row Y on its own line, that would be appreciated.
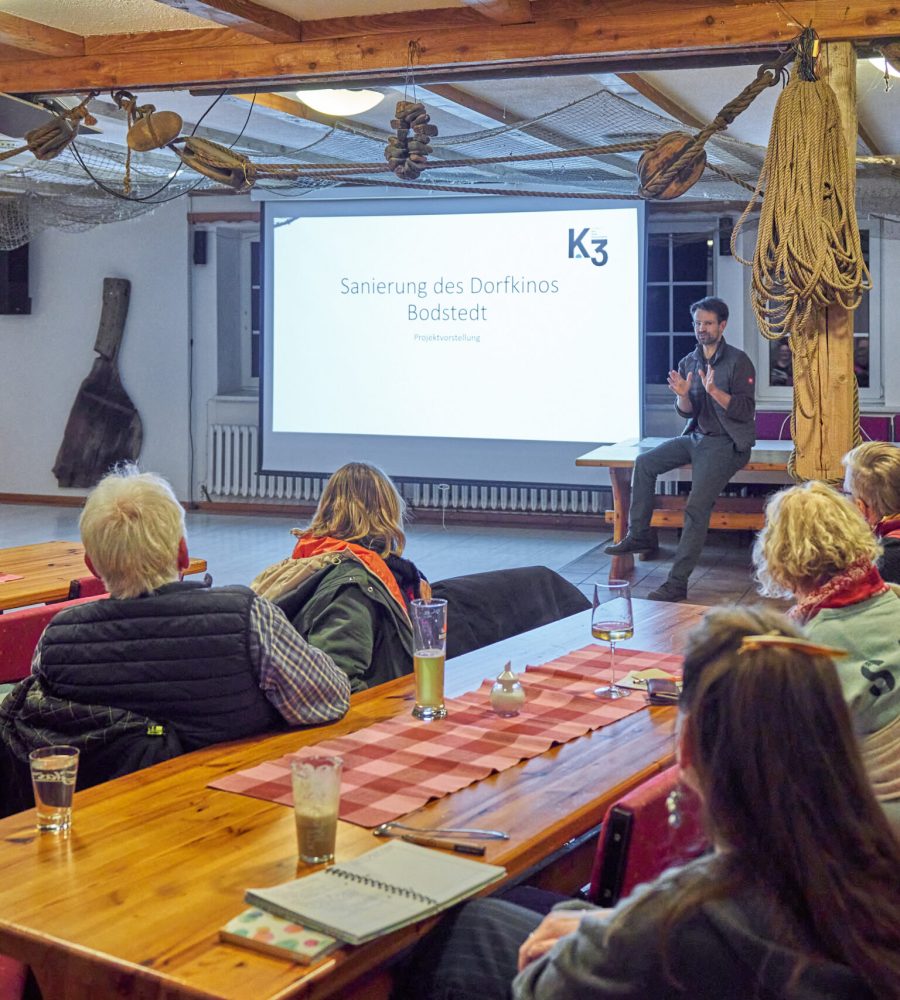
column 399, row 764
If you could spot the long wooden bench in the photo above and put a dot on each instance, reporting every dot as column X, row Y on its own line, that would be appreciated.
column 729, row 513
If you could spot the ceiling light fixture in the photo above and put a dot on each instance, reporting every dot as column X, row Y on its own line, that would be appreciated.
column 882, row 64
column 340, row 103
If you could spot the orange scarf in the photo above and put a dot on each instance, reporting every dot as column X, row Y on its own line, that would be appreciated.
column 310, row 545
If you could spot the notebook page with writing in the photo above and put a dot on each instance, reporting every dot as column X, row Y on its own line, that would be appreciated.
column 383, row 890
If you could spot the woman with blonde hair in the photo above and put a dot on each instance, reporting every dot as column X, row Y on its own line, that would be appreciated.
column 817, row 548
column 346, row 587
column 873, row 482
column 798, row 900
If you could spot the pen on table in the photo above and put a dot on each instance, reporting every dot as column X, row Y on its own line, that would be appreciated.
column 444, row 845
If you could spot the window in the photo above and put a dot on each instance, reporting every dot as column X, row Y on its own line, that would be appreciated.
column 680, row 270
column 255, row 313
column 251, row 316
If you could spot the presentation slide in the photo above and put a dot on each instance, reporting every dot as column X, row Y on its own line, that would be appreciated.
column 466, row 341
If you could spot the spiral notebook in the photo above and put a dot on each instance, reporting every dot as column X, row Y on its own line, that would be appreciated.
column 381, row 891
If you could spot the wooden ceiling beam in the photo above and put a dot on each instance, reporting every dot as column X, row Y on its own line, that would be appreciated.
column 182, row 38
column 715, row 26
column 38, row 39
column 244, row 16
column 288, row 106
column 867, row 138
column 503, row 11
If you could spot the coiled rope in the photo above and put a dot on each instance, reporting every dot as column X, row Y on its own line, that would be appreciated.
column 808, row 254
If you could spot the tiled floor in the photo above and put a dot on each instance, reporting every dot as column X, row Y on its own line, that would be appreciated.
column 237, row 547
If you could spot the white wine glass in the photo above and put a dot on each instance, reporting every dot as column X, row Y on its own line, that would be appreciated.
column 612, row 621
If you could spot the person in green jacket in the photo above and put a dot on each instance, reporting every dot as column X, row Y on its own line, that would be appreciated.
column 817, row 548
column 346, row 587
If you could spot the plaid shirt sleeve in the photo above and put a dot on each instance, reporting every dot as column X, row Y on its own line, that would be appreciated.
column 302, row 682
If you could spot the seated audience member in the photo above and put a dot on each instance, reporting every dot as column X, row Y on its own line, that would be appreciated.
column 817, row 548
column 164, row 665
column 346, row 587
column 873, row 481
column 799, row 899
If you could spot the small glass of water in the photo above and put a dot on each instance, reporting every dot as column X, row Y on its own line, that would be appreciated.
column 53, row 773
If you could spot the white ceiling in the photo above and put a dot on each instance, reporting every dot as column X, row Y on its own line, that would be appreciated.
column 700, row 92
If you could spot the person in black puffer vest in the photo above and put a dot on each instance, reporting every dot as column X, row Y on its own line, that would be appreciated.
column 164, row 666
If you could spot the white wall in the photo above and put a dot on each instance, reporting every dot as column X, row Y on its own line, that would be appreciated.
column 45, row 356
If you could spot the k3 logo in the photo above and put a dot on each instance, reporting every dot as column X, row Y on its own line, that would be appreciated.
column 577, row 248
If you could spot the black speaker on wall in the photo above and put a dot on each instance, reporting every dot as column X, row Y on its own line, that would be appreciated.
column 726, row 226
column 14, row 299
column 200, row 246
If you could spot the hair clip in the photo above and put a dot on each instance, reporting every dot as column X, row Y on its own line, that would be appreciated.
column 776, row 640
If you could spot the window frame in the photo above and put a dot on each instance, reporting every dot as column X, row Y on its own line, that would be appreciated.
column 656, row 394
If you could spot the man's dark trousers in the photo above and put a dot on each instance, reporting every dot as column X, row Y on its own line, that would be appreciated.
column 713, row 461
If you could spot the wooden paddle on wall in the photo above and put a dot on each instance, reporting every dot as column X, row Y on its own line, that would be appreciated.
column 103, row 427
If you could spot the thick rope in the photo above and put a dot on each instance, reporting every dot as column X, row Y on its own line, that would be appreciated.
column 282, row 170
column 766, row 76
column 808, row 254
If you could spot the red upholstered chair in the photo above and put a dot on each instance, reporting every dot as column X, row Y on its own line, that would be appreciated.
column 19, row 634
column 86, row 586
column 876, row 427
column 773, row 425
column 12, row 978
column 637, row 843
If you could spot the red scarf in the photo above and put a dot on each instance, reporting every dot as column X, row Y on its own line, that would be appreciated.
column 858, row 582
column 888, row 527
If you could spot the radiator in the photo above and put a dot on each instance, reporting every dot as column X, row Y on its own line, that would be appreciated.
column 232, row 463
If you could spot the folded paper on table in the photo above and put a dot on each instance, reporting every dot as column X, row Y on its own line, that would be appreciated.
column 637, row 679
column 381, row 891
column 264, row 931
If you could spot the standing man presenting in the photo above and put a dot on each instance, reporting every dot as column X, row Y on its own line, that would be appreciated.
column 715, row 390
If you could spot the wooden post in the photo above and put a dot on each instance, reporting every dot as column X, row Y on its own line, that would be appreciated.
column 824, row 424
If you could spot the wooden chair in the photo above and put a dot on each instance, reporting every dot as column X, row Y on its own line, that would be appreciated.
column 19, row 634
column 637, row 842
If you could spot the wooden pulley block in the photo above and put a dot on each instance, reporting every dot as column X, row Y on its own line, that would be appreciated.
column 654, row 162
column 154, row 130
column 221, row 164
column 47, row 141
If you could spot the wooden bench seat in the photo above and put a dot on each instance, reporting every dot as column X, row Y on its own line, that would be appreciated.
column 728, row 514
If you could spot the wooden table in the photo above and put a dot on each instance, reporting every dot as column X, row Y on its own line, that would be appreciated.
column 47, row 569
column 729, row 513
column 129, row 905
